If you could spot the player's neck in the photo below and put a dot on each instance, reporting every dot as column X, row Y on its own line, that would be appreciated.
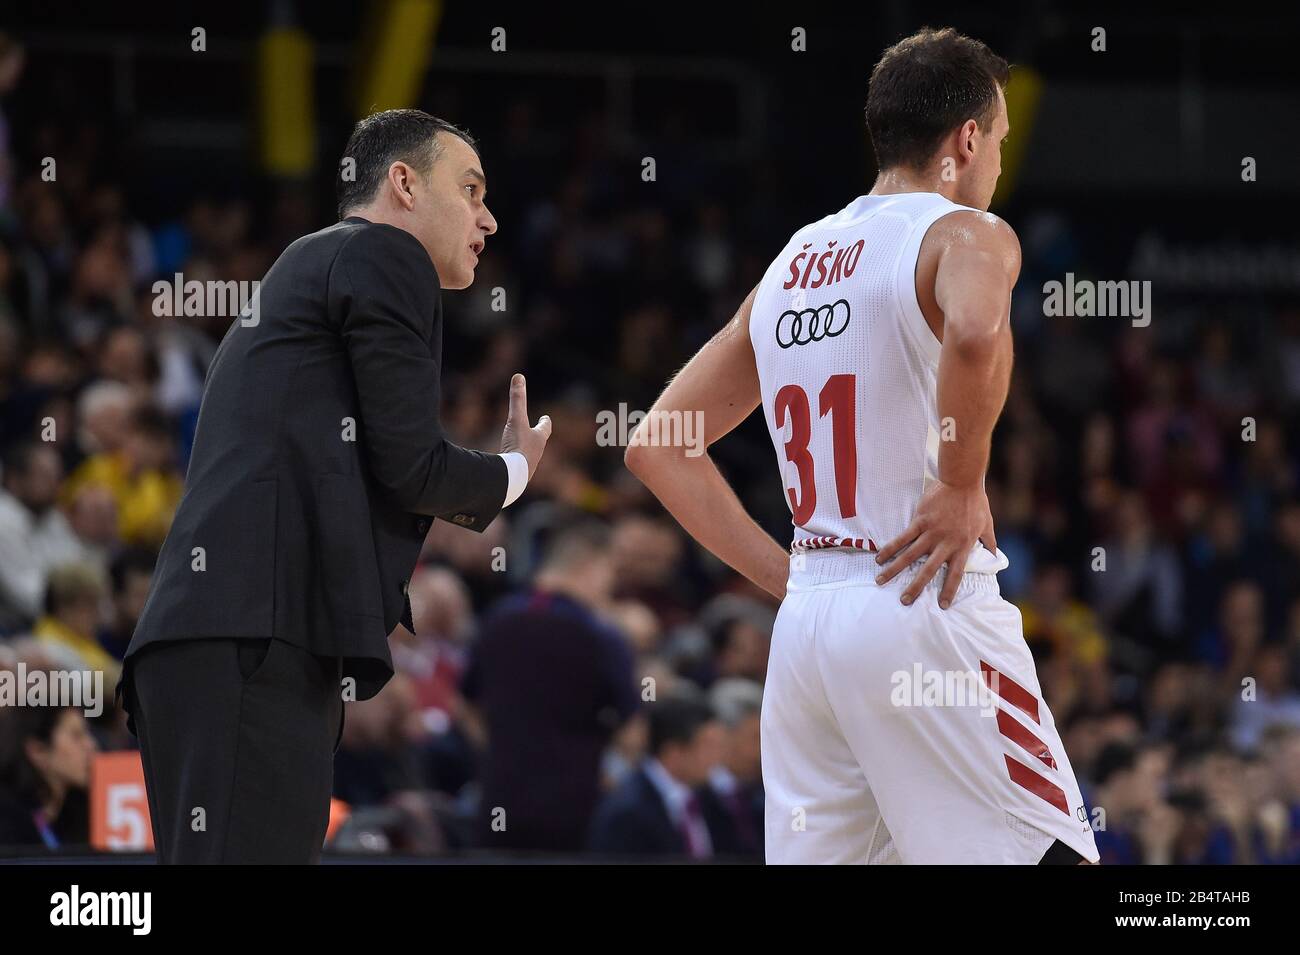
column 897, row 179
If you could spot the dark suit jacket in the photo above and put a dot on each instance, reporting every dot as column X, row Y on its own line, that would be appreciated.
column 736, row 823
column 319, row 459
column 633, row 821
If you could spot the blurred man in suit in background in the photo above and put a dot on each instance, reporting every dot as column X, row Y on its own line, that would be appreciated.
column 657, row 809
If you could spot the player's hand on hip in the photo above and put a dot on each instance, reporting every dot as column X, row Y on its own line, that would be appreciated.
column 948, row 522
column 518, row 435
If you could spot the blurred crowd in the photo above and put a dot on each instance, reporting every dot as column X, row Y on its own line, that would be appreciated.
column 582, row 678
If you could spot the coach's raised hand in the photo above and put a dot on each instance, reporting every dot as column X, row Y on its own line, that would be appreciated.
column 948, row 522
column 518, row 436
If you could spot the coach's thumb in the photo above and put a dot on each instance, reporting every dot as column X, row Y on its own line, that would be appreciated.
column 544, row 426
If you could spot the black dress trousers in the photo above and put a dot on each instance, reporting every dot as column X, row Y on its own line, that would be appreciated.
column 237, row 737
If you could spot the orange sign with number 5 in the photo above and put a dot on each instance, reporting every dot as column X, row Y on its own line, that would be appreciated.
column 119, row 807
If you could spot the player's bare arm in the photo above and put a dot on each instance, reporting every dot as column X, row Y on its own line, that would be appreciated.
column 721, row 381
column 975, row 260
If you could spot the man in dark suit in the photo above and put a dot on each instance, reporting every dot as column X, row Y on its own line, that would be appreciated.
column 319, row 463
column 656, row 810
column 733, row 800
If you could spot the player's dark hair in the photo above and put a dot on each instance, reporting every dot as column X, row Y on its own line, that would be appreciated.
column 381, row 139
column 924, row 87
column 676, row 719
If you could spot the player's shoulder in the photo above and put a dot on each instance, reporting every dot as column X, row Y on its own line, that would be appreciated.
column 966, row 230
column 974, row 227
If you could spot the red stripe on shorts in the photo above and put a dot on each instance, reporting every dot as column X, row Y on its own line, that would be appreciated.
column 1010, row 690
column 1015, row 731
column 1039, row 785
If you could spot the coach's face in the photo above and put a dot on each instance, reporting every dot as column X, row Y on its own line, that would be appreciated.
column 453, row 220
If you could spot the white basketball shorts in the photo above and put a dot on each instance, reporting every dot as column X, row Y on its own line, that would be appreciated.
column 897, row 734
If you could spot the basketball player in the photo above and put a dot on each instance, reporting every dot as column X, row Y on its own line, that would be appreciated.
column 879, row 345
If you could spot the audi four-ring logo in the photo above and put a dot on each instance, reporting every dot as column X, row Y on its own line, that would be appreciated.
column 812, row 324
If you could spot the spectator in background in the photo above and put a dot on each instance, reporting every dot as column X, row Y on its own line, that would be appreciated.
column 656, row 810
column 1140, row 592
column 101, row 294
column 103, row 417
column 45, row 755
column 1054, row 616
column 1231, row 648
column 647, row 553
column 1217, row 817
column 378, row 755
column 1270, row 701
column 130, row 574
column 34, row 534
column 1136, row 825
column 68, row 631
column 549, row 682
column 733, row 798
column 1280, row 826
column 93, row 517
column 434, row 656
column 142, row 477
column 738, row 631
column 433, row 659
column 124, row 355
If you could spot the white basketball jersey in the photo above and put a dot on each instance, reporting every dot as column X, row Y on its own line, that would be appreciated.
column 848, row 369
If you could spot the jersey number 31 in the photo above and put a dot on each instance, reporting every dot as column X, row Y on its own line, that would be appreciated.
column 836, row 399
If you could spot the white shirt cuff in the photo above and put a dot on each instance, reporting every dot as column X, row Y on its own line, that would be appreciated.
column 517, row 469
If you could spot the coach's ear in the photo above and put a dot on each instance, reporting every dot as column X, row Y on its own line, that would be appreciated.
column 400, row 177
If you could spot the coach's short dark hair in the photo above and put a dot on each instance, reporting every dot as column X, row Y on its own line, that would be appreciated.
column 924, row 87
column 379, row 140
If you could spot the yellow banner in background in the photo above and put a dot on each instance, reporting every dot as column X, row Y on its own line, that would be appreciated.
column 395, row 56
column 1023, row 94
column 286, row 116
